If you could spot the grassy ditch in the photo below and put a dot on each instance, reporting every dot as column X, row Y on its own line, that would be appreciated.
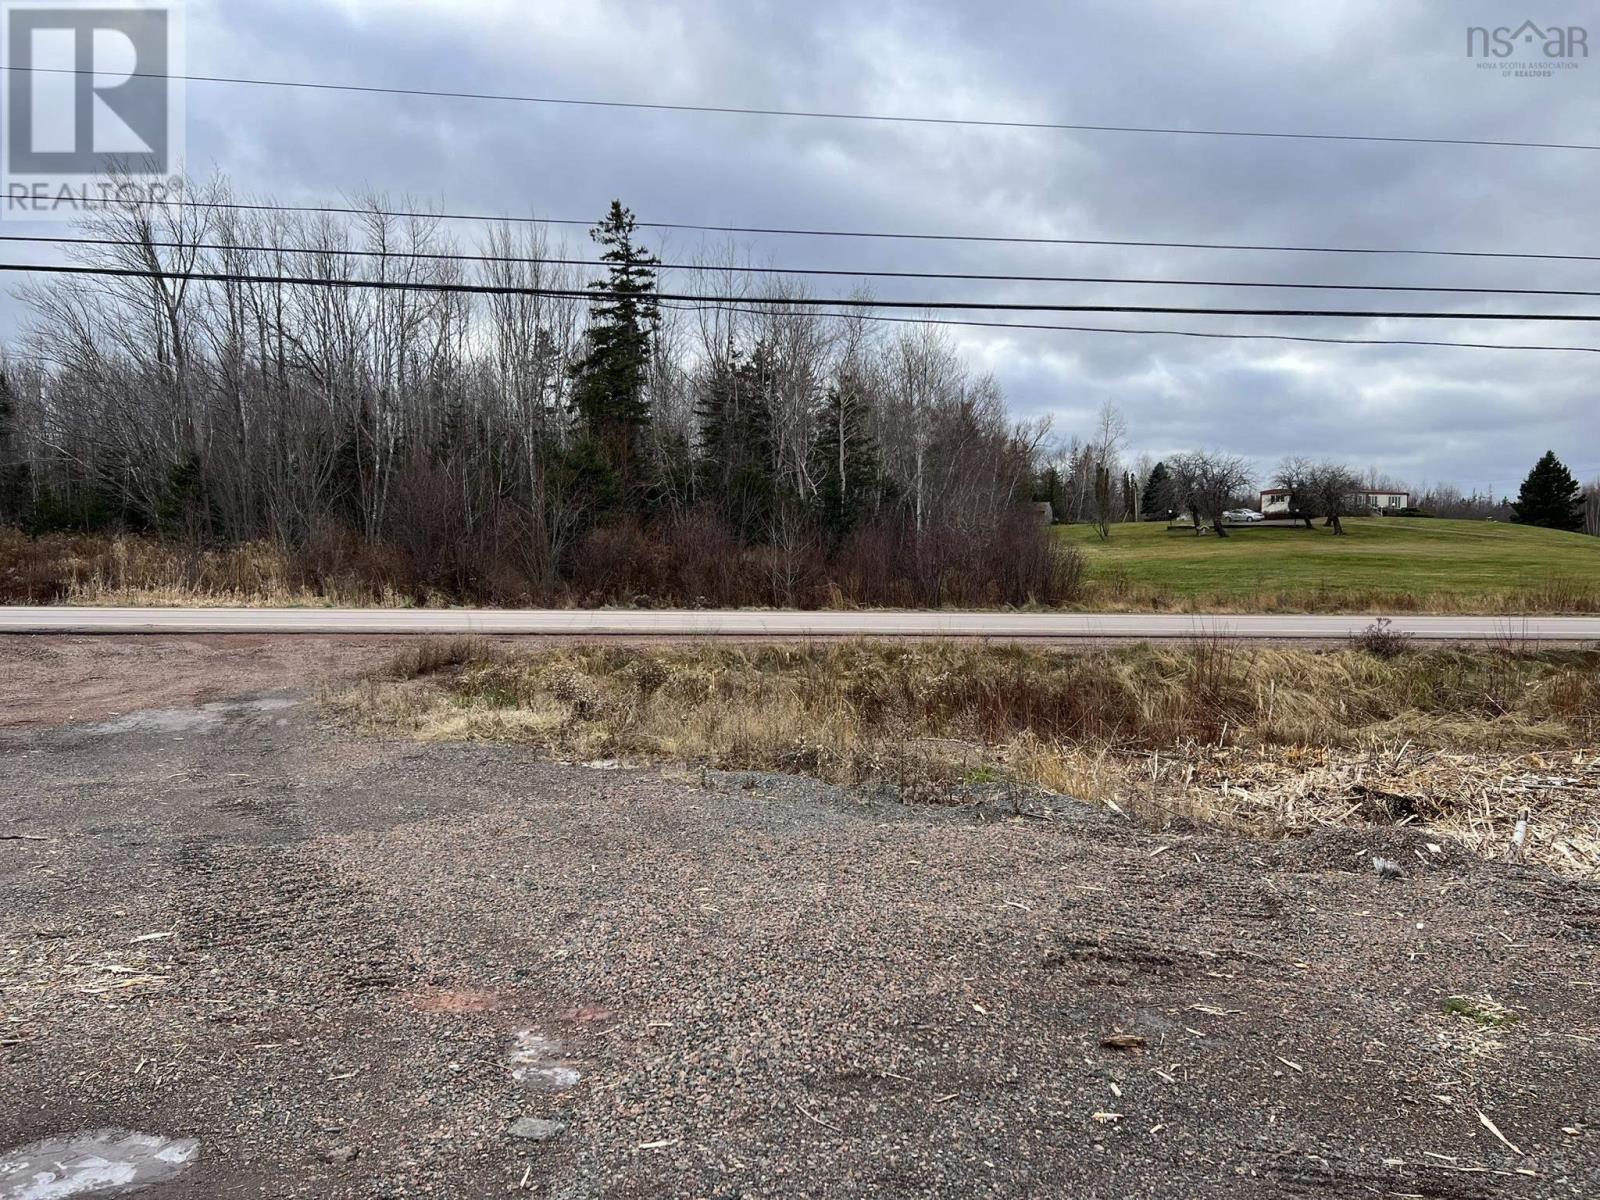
column 1267, row 741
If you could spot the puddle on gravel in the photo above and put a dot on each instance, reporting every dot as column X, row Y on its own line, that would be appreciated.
column 186, row 720
column 535, row 1063
column 97, row 1163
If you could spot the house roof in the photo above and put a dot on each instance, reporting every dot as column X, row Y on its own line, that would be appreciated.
column 1358, row 492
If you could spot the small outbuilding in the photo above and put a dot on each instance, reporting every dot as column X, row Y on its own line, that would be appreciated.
column 1279, row 501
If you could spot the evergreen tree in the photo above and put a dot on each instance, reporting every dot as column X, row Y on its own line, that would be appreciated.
column 183, row 507
column 15, row 506
column 845, row 465
column 1550, row 497
column 1158, row 494
column 610, row 395
column 736, row 444
column 1048, row 489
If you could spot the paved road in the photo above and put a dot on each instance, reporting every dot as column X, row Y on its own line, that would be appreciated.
column 747, row 624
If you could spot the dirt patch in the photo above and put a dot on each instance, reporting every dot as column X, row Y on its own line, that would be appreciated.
column 52, row 681
column 456, row 1001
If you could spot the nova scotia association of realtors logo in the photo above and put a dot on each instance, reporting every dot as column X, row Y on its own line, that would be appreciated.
column 1528, row 50
column 93, row 104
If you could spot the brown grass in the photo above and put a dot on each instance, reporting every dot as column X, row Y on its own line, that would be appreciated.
column 1548, row 597
column 1266, row 741
column 689, row 563
column 136, row 571
column 340, row 571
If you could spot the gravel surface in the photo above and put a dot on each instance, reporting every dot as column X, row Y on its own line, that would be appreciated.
column 351, row 967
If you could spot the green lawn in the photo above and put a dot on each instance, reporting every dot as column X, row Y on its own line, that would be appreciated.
column 1436, row 564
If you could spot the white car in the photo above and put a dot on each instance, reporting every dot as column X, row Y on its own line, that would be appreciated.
column 1243, row 515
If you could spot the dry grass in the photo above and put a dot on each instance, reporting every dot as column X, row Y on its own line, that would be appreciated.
column 1551, row 597
column 1472, row 798
column 143, row 572
column 687, row 564
column 1265, row 741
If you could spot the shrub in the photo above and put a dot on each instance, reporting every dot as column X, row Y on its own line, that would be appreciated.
column 1382, row 640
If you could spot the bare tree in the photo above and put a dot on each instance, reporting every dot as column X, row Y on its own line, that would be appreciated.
column 1109, row 433
column 1294, row 475
column 923, row 375
column 1330, row 491
column 1184, row 473
column 1209, row 482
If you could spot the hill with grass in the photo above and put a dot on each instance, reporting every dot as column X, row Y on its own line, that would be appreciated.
column 1394, row 564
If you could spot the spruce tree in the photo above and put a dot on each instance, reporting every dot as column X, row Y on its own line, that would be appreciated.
column 610, row 395
column 845, row 464
column 1047, row 489
column 736, row 445
column 1550, row 497
column 1157, row 501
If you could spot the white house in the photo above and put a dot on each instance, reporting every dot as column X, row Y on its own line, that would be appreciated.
column 1381, row 502
column 1280, row 501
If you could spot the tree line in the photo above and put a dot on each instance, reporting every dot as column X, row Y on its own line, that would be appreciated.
column 1088, row 482
column 590, row 445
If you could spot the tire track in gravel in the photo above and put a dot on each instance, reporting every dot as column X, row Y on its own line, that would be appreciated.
column 278, row 909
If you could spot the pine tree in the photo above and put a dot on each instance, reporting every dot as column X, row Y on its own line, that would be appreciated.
column 1158, row 493
column 736, row 445
column 610, row 395
column 845, row 464
column 1550, row 497
column 15, row 508
column 1048, row 489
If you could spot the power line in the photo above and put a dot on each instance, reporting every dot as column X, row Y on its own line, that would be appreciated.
column 1189, row 333
column 719, row 306
column 597, row 294
column 9, row 354
column 716, row 268
column 995, row 239
column 824, row 115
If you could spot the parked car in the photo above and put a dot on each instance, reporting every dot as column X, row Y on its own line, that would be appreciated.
column 1243, row 516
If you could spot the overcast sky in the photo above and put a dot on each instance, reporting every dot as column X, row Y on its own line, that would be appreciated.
column 1475, row 417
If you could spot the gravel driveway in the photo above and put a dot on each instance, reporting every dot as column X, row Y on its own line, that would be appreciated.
column 348, row 967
